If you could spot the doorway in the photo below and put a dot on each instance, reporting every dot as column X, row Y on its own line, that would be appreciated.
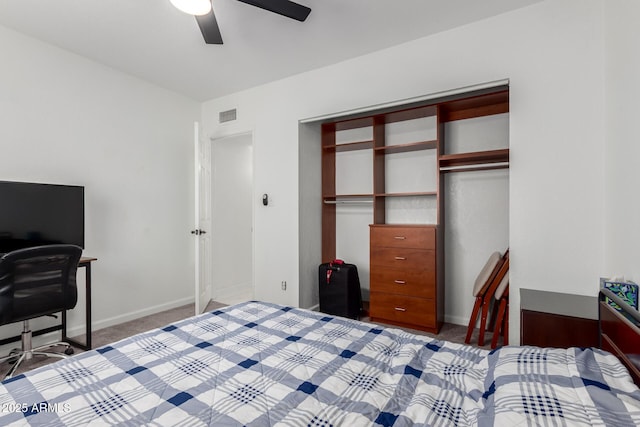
column 232, row 218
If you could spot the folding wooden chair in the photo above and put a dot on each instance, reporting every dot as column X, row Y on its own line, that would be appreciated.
column 490, row 293
column 480, row 287
column 502, row 319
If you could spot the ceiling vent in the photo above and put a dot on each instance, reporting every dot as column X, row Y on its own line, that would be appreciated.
column 227, row 116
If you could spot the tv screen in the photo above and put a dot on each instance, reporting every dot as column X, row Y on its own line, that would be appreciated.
column 40, row 214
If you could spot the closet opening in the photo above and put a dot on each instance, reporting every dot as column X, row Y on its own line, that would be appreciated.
column 416, row 196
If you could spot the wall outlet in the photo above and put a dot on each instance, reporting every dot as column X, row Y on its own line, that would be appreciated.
column 283, row 285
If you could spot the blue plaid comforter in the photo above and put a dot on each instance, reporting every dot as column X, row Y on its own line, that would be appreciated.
column 261, row 364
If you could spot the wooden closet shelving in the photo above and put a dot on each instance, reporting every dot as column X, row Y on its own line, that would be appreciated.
column 406, row 148
column 480, row 160
column 347, row 197
column 349, row 146
column 406, row 260
column 408, row 194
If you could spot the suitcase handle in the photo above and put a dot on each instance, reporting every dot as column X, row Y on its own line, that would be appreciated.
column 336, row 262
column 332, row 267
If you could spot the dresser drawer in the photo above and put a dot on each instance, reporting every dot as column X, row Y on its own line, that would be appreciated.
column 417, row 283
column 403, row 237
column 402, row 258
column 403, row 309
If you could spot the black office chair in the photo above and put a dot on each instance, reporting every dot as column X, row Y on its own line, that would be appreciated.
column 35, row 282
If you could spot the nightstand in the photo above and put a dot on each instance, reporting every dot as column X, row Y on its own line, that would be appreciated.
column 552, row 319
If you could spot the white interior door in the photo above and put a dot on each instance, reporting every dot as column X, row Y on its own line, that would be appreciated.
column 202, row 231
column 232, row 209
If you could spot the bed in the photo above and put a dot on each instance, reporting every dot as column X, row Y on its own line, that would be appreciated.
column 262, row 364
column 620, row 331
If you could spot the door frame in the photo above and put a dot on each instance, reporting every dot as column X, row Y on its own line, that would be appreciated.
column 211, row 185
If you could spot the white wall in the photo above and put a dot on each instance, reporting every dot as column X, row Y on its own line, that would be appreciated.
column 65, row 119
column 310, row 217
column 622, row 204
column 552, row 52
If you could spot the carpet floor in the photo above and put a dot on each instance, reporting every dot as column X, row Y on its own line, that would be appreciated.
column 102, row 337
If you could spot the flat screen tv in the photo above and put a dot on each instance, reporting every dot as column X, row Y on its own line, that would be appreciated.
column 40, row 214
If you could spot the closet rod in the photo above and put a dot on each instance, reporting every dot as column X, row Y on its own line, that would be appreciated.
column 477, row 166
column 342, row 202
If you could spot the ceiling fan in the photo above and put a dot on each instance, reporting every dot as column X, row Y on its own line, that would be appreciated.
column 203, row 12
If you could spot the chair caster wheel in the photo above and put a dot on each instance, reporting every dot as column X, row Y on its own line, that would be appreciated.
column 69, row 351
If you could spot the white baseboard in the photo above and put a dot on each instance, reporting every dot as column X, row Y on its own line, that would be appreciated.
column 116, row 320
column 456, row 320
column 314, row 307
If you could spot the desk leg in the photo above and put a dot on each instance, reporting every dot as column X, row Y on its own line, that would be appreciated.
column 88, row 305
column 87, row 344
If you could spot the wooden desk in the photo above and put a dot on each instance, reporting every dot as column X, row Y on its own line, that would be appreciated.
column 552, row 319
column 85, row 262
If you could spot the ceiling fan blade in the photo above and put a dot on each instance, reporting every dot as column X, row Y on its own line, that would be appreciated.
column 209, row 28
column 282, row 7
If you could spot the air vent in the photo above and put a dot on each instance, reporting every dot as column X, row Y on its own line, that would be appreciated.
column 227, row 116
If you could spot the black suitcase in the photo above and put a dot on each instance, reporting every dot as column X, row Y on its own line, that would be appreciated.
column 340, row 289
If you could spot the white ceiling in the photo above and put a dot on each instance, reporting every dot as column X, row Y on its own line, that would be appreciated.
column 152, row 40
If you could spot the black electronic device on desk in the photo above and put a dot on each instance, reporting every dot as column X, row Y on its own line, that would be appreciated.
column 39, row 214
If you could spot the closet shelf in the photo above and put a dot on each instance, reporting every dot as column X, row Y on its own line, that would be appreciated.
column 405, row 148
column 491, row 159
column 347, row 196
column 408, row 194
column 348, row 202
column 354, row 123
column 369, row 197
column 349, row 146
column 340, row 199
column 478, row 106
column 407, row 114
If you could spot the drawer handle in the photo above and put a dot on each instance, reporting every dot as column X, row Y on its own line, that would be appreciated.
column 399, row 237
column 400, row 282
column 400, row 309
column 400, row 258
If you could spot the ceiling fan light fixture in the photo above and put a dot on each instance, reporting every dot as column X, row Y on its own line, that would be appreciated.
column 193, row 7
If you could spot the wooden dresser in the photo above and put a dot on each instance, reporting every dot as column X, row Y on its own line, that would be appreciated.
column 403, row 282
